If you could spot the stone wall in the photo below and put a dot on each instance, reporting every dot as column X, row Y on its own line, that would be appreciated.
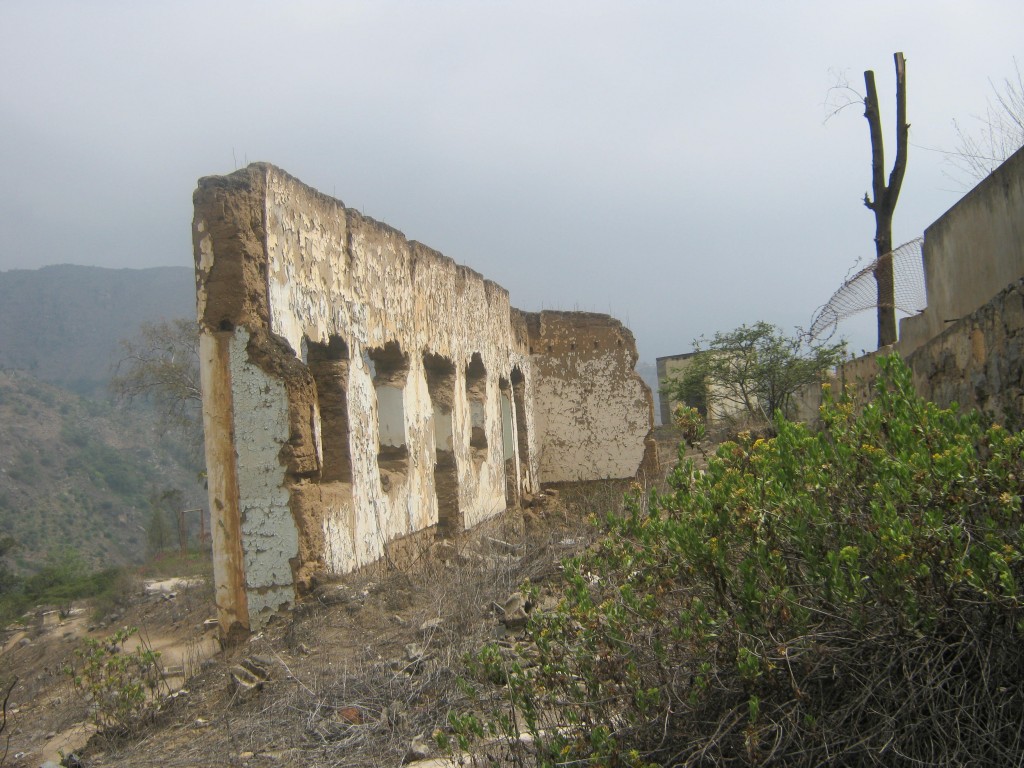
column 359, row 387
column 979, row 361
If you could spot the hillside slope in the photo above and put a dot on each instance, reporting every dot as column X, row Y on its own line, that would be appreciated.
column 79, row 472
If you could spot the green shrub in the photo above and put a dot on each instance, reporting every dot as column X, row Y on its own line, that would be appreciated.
column 118, row 684
column 62, row 580
column 848, row 597
column 690, row 423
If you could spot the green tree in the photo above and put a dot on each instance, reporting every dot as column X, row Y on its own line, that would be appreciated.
column 754, row 369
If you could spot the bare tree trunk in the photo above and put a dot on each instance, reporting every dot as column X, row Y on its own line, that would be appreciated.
column 884, row 202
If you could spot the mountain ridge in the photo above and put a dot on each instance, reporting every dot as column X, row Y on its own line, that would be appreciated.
column 62, row 323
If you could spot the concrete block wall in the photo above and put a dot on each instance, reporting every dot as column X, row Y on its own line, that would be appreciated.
column 970, row 253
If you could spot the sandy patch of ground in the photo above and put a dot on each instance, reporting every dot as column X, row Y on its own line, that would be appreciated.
column 46, row 715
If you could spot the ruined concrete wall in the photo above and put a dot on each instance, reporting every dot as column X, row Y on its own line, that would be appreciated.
column 594, row 414
column 970, row 253
column 353, row 388
column 720, row 405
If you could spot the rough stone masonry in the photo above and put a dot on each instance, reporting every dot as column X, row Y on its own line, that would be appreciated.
column 359, row 387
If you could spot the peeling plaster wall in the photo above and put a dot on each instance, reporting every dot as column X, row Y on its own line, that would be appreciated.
column 268, row 530
column 280, row 266
column 359, row 387
column 594, row 413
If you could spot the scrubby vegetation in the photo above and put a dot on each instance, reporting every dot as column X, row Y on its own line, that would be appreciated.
column 120, row 683
column 81, row 472
column 63, row 579
column 849, row 596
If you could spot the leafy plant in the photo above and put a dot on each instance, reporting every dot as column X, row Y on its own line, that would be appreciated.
column 118, row 683
column 690, row 423
column 851, row 596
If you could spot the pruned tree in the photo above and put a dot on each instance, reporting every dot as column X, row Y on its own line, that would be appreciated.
column 998, row 133
column 882, row 199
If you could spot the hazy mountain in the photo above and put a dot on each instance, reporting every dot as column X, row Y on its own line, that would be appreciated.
column 79, row 471
column 62, row 324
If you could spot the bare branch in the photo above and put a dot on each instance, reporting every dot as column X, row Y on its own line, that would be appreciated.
column 841, row 95
column 998, row 134
column 874, row 118
column 899, row 165
column 3, row 721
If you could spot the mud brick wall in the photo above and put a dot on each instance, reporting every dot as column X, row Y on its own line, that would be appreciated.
column 359, row 387
column 594, row 414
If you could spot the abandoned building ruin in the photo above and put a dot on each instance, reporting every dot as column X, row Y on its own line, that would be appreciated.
column 359, row 387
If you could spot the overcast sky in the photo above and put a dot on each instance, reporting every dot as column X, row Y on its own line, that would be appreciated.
column 665, row 162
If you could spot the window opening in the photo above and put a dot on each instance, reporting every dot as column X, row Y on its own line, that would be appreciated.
column 508, row 442
column 522, row 433
column 329, row 363
column 390, row 370
column 440, row 375
column 476, row 394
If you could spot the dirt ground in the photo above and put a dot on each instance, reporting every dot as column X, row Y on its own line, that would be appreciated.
column 45, row 715
column 361, row 673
